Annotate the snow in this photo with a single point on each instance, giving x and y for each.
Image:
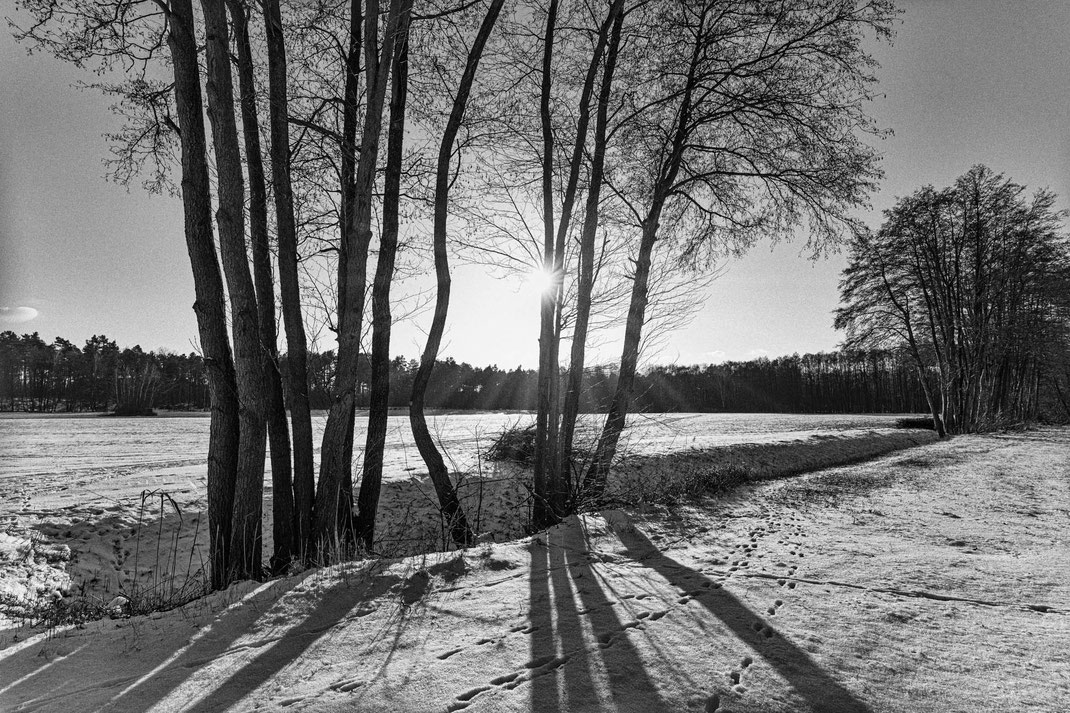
(127, 495)
(928, 579)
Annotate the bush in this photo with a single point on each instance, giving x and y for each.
(516, 443)
(925, 423)
(128, 409)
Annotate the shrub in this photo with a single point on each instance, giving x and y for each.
(516, 443)
(925, 423)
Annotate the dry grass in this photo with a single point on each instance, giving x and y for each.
(702, 472)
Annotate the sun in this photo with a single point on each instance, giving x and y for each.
(541, 280)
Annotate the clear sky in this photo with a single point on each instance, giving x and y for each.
(966, 82)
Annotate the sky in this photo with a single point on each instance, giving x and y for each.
(965, 82)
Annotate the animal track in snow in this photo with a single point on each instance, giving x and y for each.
(507, 678)
(345, 686)
(524, 629)
(760, 627)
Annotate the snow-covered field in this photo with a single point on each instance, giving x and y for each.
(97, 505)
(932, 580)
(156, 452)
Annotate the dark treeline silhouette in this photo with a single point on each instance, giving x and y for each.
(836, 382)
(62, 377)
(99, 376)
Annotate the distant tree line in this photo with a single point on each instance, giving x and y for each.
(99, 376)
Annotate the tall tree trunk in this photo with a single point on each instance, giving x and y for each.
(436, 467)
(210, 305)
(245, 536)
(349, 151)
(544, 513)
(597, 474)
(282, 495)
(346, 213)
(332, 507)
(585, 288)
(289, 286)
(379, 402)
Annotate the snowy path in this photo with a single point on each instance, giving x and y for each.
(933, 579)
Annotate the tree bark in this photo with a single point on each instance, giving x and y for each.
(448, 503)
(379, 400)
(282, 495)
(245, 536)
(210, 305)
(349, 151)
(289, 287)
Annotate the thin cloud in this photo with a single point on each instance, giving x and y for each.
(755, 353)
(17, 315)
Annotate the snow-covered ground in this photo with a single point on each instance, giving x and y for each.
(932, 579)
(96, 506)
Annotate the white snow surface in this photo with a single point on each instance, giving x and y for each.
(127, 496)
(932, 579)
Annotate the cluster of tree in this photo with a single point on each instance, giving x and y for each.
(60, 377)
(625, 141)
(972, 283)
(836, 382)
(37, 376)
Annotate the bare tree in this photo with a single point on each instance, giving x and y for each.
(451, 509)
(293, 319)
(969, 278)
(127, 35)
(609, 35)
(371, 480)
(245, 537)
(283, 546)
(750, 128)
(334, 489)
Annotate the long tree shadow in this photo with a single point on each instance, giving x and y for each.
(154, 672)
(160, 678)
(573, 671)
(810, 681)
(333, 606)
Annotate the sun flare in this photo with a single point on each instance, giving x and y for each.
(541, 280)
